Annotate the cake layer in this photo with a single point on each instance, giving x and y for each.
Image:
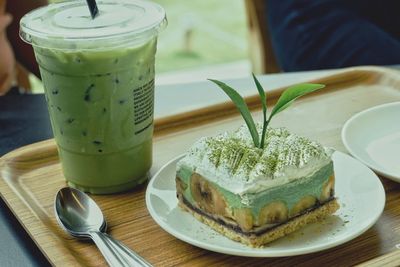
(258, 239)
(280, 202)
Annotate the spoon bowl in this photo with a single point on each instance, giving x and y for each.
(78, 213)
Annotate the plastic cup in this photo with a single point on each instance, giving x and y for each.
(98, 76)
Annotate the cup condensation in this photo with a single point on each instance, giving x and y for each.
(98, 77)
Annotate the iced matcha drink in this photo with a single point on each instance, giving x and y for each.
(100, 91)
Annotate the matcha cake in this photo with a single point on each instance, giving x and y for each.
(255, 195)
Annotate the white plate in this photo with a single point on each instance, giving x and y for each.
(356, 185)
(373, 137)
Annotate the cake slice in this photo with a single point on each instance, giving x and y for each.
(255, 195)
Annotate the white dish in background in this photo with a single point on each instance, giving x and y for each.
(373, 137)
(355, 185)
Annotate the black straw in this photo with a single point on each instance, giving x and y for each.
(93, 8)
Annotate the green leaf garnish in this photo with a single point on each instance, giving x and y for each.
(242, 107)
(291, 94)
(284, 101)
(263, 99)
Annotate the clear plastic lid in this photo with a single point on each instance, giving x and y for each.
(69, 25)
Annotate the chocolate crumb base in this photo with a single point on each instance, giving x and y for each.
(264, 236)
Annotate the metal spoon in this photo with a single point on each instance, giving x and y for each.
(80, 216)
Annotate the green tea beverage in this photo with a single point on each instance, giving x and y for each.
(98, 76)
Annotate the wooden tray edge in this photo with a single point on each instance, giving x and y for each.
(23, 210)
(332, 81)
(388, 260)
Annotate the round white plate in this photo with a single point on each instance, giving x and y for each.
(373, 137)
(356, 185)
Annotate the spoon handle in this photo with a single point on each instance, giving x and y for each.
(116, 253)
(129, 255)
(112, 256)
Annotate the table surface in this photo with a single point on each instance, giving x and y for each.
(24, 120)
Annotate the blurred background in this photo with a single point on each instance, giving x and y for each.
(202, 39)
(225, 39)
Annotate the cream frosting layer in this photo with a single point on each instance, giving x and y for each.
(233, 162)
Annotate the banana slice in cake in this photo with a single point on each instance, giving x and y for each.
(275, 212)
(304, 204)
(244, 218)
(206, 196)
(328, 190)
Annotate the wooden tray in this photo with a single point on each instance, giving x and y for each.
(31, 176)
